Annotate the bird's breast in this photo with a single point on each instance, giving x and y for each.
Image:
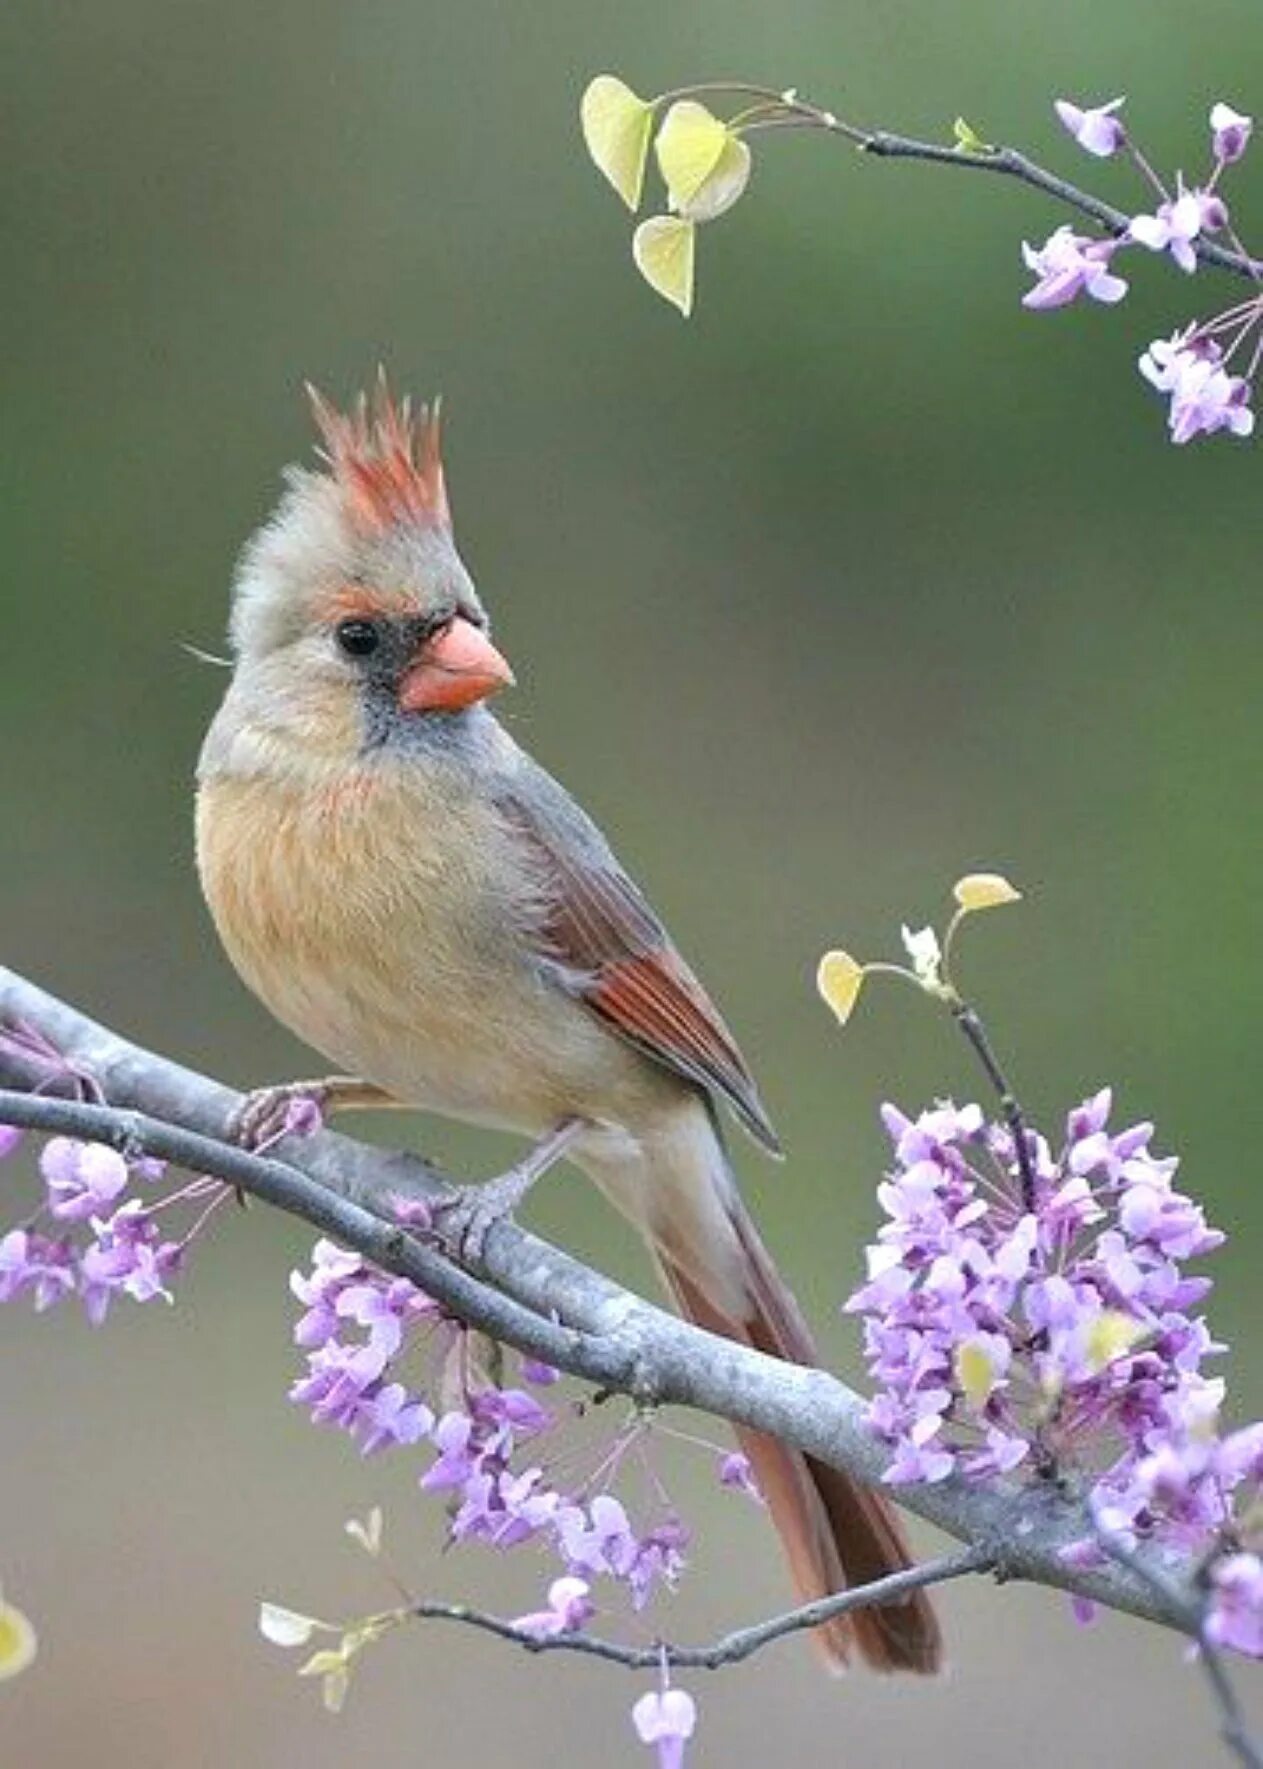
(390, 923)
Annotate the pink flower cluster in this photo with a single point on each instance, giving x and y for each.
(89, 1238)
(1191, 368)
(357, 1327)
(1064, 1338)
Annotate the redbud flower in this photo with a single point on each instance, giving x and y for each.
(569, 1607)
(736, 1473)
(1069, 264)
(83, 1179)
(1097, 130)
(31, 1262)
(1231, 132)
(666, 1719)
(1177, 224)
(1236, 1613)
(1204, 396)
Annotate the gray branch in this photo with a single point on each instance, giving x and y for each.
(534, 1296)
(729, 1649)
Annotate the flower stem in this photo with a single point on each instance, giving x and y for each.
(971, 1025)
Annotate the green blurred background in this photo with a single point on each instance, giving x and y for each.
(863, 579)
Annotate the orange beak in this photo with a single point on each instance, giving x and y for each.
(456, 668)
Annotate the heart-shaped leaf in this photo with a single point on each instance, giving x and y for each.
(663, 250)
(616, 125)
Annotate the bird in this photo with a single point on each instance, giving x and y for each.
(417, 899)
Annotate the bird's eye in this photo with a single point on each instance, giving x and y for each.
(358, 638)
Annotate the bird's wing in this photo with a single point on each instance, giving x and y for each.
(614, 953)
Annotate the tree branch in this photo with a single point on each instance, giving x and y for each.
(729, 1649)
(791, 111)
(535, 1297)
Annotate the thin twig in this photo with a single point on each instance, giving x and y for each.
(1233, 1726)
(971, 1025)
(731, 1648)
(1001, 162)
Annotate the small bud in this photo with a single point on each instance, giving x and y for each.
(968, 140)
(369, 1533)
(925, 954)
(1231, 132)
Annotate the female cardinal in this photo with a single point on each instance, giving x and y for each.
(415, 897)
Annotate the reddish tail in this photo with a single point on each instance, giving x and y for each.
(835, 1533)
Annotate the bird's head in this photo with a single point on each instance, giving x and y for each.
(351, 605)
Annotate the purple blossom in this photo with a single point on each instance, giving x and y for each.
(541, 1374)
(665, 1718)
(978, 1315)
(127, 1256)
(569, 1608)
(1178, 223)
(1230, 132)
(1235, 1617)
(391, 1416)
(736, 1474)
(1003, 1340)
(10, 1138)
(1069, 264)
(83, 1179)
(600, 1541)
(34, 1264)
(1204, 397)
(1097, 129)
(457, 1459)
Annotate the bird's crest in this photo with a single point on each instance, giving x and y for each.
(384, 458)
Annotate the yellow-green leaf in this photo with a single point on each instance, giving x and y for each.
(722, 185)
(333, 1687)
(324, 1662)
(18, 1641)
(689, 146)
(984, 890)
(286, 1627)
(663, 250)
(616, 125)
(975, 1372)
(968, 140)
(839, 978)
(1111, 1335)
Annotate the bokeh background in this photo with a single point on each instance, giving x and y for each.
(862, 579)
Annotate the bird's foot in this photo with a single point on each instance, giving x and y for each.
(299, 1108)
(266, 1114)
(466, 1216)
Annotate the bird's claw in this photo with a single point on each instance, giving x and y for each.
(468, 1214)
(266, 1114)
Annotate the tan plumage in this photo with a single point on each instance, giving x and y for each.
(415, 898)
